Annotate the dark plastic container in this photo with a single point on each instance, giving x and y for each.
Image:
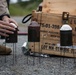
(13, 38)
(66, 36)
(34, 32)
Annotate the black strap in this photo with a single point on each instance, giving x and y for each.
(25, 20)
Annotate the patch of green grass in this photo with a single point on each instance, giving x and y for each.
(23, 8)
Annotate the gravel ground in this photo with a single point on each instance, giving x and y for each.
(19, 64)
(28, 65)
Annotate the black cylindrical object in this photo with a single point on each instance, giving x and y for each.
(33, 33)
(12, 38)
(66, 35)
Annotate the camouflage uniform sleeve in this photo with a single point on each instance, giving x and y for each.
(3, 8)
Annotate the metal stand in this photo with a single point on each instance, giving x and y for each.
(64, 57)
(33, 54)
(14, 53)
(74, 56)
(40, 51)
(60, 61)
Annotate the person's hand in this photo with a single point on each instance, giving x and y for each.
(6, 28)
(9, 20)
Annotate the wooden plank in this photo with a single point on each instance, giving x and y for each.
(50, 36)
(54, 21)
(47, 48)
(59, 6)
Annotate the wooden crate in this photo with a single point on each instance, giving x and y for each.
(51, 23)
(50, 20)
(59, 6)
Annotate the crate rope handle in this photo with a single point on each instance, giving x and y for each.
(25, 20)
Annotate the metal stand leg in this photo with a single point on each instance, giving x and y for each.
(27, 58)
(5, 55)
(60, 61)
(34, 55)
(64, 56)
(14, 53)
(39, 53)
(74, 55)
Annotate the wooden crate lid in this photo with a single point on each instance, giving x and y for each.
(59, 6)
